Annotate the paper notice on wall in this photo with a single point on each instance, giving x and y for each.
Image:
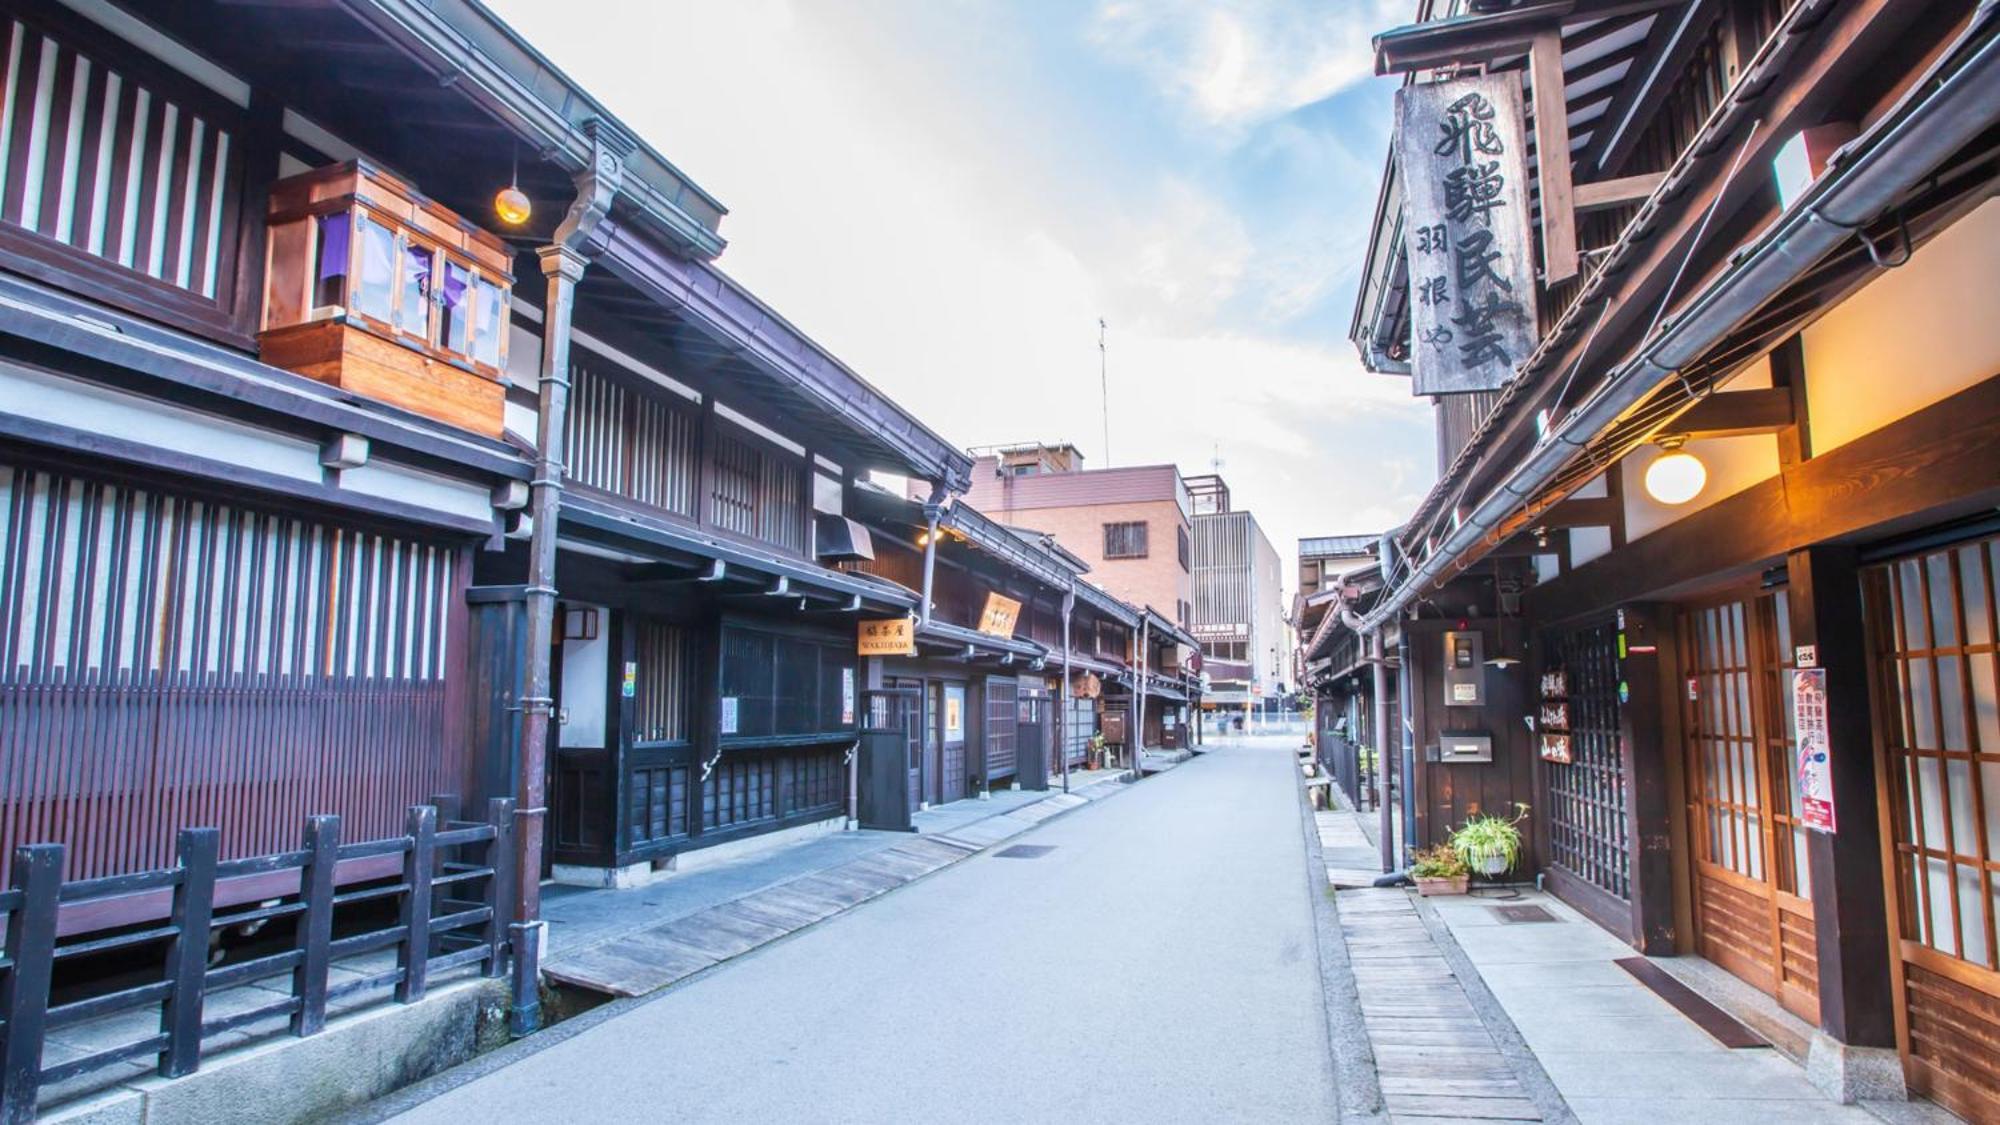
(729, 714)
(846, 695)
(1815, 763)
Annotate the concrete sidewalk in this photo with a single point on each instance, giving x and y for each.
(1539, 1020)
(628, 942)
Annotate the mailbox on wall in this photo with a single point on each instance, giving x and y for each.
(1468, 747)
(1464, 669)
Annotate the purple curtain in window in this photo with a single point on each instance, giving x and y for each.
(454, 285)
(333, 236)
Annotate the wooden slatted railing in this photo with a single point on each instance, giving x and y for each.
(447, 879)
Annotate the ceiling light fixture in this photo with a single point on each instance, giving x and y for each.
(1675, 476)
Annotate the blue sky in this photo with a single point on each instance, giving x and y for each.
(949, 193)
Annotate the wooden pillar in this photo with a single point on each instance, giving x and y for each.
(1850, 907)
(1647, 720)
(1552, 158)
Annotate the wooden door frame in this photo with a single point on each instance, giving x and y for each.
(1760, 649)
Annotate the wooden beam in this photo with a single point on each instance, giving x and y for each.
(1482, 38)
(1737, 413)
(1788, 371)
(1545, 67)
(1605, 194)
(1935, 465)
(1674, 37)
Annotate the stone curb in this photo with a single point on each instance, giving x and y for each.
(1349, 1050)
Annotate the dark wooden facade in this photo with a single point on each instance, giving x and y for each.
(233, 596)
(1848, 548)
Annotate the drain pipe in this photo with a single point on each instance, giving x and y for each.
(563, 262)
(933, 509)
(1138, 742)
(1062, 723)
(1940, 115)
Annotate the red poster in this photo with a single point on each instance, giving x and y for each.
(1815, 766)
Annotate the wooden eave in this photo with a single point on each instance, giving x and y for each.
(1810, 67)
(1603, 46)
(137, 355)
(789, 370)
(468, 47)
(746, 569)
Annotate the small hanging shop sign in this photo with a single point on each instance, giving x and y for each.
(1552, 724)
(999, 615)
(1461, 152)
(1809, 719)
(893, 636)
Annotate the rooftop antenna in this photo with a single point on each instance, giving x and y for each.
(1104, 387)
(1216, 462)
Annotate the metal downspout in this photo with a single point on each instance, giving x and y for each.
(1385, 810)
(1869, 173)
(1139, 699)
(1062, 725)
(563, 262)
(933, 510)
(1381, 670)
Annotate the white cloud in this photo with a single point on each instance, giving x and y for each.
(1239, 63)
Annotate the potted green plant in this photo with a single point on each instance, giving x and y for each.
(1490, 845)
(1439, 871)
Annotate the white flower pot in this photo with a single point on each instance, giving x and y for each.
(1490, 865)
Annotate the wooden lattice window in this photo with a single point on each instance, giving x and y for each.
(1125, 540)
(1932, 628)
(170, 662)
(126, 162)
(759, 493)
(1940, 726)
(662, 693)
(1587, 795)
(631, 442)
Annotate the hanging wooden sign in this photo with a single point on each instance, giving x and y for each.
(999, 615)
(1552, 724)
(1460, 151)
(894, 636)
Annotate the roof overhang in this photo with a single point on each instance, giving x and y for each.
(463, 41)
(742, 568)
(751, 331)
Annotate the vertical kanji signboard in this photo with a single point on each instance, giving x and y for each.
(1460, 149)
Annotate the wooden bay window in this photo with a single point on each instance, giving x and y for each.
(375, 289)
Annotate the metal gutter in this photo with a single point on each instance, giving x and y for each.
(1783, 44)
(1939, 115)
(590, 512)
(520, 87)
(1027, 557)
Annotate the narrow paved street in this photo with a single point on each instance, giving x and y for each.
(1156, 965)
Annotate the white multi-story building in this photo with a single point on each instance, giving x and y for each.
(1238, 610)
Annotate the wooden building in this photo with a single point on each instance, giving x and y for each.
(982, 690)
(1724, 535)
(377, 426)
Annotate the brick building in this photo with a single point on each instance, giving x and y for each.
(1131, 525)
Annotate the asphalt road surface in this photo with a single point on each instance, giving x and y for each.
(1158, 965)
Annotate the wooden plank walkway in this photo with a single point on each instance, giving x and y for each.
(642, 961)
(1435, 1058)
(1351, 861)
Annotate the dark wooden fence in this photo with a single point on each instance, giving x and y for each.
(447, 882)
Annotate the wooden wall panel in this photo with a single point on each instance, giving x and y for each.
(168, 662)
